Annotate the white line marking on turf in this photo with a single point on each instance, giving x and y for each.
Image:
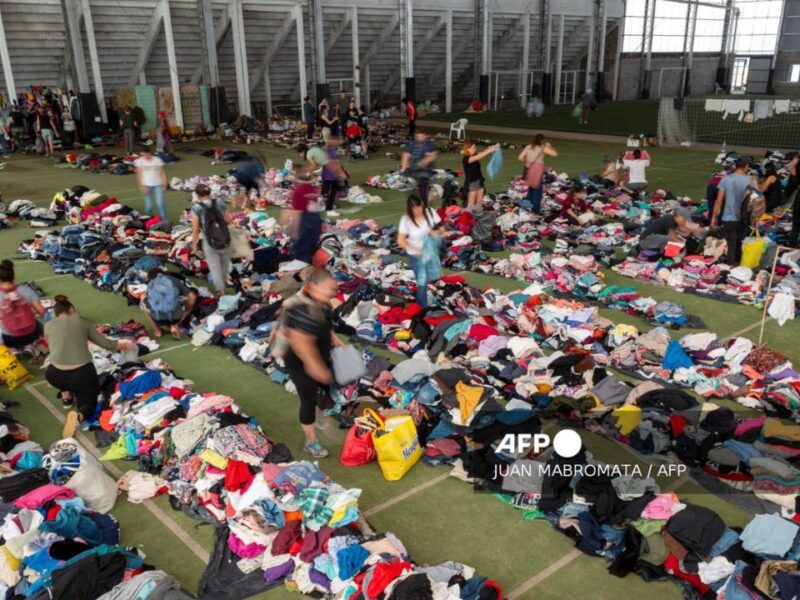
(151, 506)
(163, 350)
(407, 494)
(544, 574)
(40, 279)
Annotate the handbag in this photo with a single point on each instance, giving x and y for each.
(533, 176)
(397, 445)
(348, 365)
(358, 448)
(240, 244)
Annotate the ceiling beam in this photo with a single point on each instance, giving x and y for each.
(149, 43)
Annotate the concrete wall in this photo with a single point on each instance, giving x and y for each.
(703, 76)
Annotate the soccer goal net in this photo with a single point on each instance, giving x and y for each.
(758, 122)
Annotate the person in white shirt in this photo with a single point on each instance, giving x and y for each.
(419, 223)
(637, 180)
(152, 181)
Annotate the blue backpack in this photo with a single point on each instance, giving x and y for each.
(163, 299)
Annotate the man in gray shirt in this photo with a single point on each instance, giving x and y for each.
(732, 192)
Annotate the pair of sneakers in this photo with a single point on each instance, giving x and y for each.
(315, 449)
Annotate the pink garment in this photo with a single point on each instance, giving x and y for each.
(270, 471)
(660, 507)
(208, 403)
(749, 424)
(42, 495)
(239, 548)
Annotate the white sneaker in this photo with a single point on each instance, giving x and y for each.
(332, 213)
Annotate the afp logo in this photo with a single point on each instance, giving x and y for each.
(567, 443)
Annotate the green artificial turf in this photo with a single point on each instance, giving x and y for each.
(446, 519)
(615, 118)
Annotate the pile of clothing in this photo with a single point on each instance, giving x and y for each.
(278, 520)
(59, 541)
(27, 210)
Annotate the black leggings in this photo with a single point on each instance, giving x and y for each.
(329, 189)
(83, 383)
(309, 390)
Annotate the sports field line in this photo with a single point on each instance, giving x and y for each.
(39, 280)
(196, 549)
(569, 557)
(405, 495)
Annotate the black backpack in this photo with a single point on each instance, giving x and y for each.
(215, 228)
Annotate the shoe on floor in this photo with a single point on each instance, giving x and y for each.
(315, 449)
(332, 213)
(71, 425)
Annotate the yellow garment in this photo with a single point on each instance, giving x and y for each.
(9, 567)
(468, 398)
(625, 330)
(214, 459)
(774, 428)
(628, 418)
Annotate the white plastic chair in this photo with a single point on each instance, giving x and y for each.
(459, 128)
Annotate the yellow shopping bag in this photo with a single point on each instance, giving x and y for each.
(397, 445)
(12, 372)
(752, 250)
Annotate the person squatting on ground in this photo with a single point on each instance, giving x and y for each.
(168, 302)
(307, 324)
(19, 305)
(208, 217)
(668, 228)
(418, 235)
(473, 176)
(71, 370)
(152, 180)
(532, 156)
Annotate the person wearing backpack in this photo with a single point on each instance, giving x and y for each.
(169, 302)
(71, 369)
(208, 217)
(19, 305)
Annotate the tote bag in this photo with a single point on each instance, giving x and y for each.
(533, 176)
(398, 447)
(348, 365)
(240, 244)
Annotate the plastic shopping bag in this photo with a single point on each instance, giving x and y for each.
(397, 445)
(359, 448)
(752, 249)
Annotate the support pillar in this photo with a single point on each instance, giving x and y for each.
(559, 58)
(448, 63)
(620, 42)
(774, 62)
(174, 77)
(600, 82)
(486, 51)
(297, 10)
(356, 55)
(8, 74)
(319, 42)
(691, 29)
(547, 70)
(407, 85)
(367, 88)
(240, 57)
(76, 45)
(268, 91)
(590, 50)
(526, 51)
(209, 42)
(647, 42)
